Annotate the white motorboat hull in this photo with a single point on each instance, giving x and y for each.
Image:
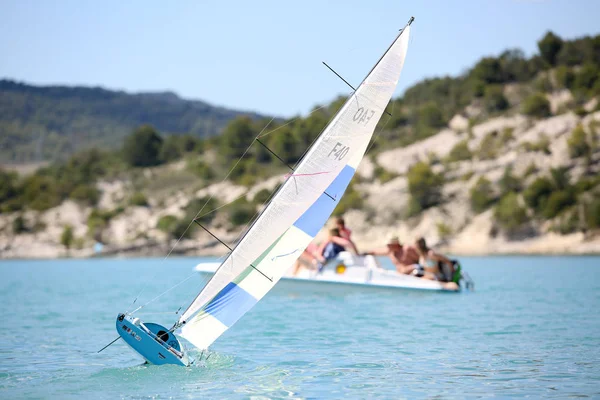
(349, 269)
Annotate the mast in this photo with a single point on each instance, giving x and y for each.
(268, 207)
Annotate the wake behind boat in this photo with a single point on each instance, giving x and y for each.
(364, 271)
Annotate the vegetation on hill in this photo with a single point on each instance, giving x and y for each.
(424, 109)
(52, 122)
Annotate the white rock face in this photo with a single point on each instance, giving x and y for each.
(225, 192)
(130, 225)
(112, 193)
(68, 213)
(366, 168)
(269, 184)
(558, 99)
(459, 124)
(399, 160)
(591, 105)
(517, 122)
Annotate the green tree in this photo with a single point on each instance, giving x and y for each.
(537, 193)
(494, 99)
(570, 55)
(202, 170)
(182, 229)
(430, 115)
(489, 146)
(398, 120)
(477, 87)
(171, 149)
(508, 182)
(488, 70)
(564, 77)
(507, 135)
(424, 186)
(142, 147)
(560, 178)
(578, 144)
(537, 105)
(586, 78)
(168, 224)
(285, 145)
(515, 66)
(40, 192)
(138, 199)
(592, 214)
(383, 175)
(246, 172)
(236, 137)
(482, 195)
(262, 196)
(240, 212)
(18, 225)
(98, 220)
(87, 194)
(549, 47)
(202, 209)
(509, 213)
(8, 185)
(557, 202)
(67, 236)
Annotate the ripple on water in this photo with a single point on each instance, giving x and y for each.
(511, 338)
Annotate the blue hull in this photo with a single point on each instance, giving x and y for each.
(152, 341)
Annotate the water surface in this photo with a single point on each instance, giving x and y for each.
(532, 328)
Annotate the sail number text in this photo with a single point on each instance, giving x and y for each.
(363, 116)
(339, 151)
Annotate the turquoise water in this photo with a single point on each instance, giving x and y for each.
(532, 328)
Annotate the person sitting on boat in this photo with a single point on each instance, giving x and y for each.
(340, 224)
(334, 245)
(405, 258)
(430, 261)
(328, 250)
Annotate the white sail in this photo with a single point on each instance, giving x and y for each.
(299, 209)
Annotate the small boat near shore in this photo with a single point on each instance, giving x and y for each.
(366, 271)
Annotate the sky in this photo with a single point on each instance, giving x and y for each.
(265, 56)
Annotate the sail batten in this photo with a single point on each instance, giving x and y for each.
(298, 210)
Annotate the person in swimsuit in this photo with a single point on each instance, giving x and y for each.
(405, 258)
(430, 261)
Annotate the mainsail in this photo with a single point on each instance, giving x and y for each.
(299, 209)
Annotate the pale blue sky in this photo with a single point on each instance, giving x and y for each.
(264, 55)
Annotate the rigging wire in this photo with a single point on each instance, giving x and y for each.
(200, 211)
(242, 232)
(260, 135)
(376, 134)
(257, 214)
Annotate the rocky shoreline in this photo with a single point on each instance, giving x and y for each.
(451, 226)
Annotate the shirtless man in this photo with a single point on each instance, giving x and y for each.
(405, 258)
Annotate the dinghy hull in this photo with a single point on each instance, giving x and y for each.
(351, 270)
(152, 341)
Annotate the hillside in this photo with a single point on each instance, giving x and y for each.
(502, 159)
(40, 123)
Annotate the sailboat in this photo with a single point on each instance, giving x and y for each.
(287, 224)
